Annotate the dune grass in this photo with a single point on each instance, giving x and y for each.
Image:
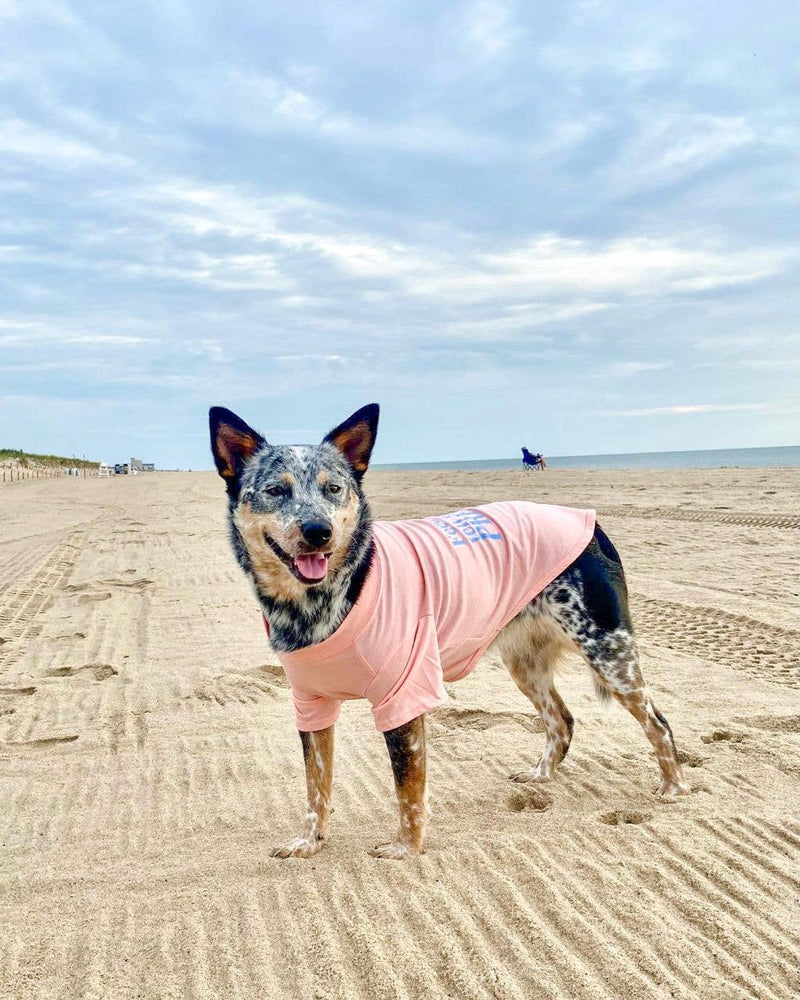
(25, 458)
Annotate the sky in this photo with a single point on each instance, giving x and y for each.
(567, 225)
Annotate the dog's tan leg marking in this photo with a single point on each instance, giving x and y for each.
(318, 754)
(406, 746)
(657, 729)
(533, 675)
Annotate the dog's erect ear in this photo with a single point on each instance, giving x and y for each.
(355, 437)
(232, 443)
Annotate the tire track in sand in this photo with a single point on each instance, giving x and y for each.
(740, 642)
(24, 603)
(742, 518)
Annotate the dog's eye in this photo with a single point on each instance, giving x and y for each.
(275, 491)
(335, 488)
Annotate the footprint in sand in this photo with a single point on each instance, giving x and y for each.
(141, 584)
(477, 719)
(536, 799)
(773, 723)
(94, 598)
(276, 673)
(101, 671)
(48, 741)
(624, 817)
(233, 688)
(722, 736)
(94, 591)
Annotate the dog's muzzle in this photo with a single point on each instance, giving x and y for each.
(308, 567)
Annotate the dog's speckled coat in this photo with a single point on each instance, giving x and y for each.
(277, 494)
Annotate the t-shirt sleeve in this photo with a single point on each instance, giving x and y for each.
(418, 683)
(314, 711)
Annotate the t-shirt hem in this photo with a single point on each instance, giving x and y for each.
(317, 724)
(408, 712)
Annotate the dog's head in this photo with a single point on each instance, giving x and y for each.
(296, 509)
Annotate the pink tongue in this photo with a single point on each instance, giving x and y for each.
(313, 565)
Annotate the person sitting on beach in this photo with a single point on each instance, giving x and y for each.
(530, 461)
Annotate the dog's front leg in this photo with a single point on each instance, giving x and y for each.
(318, 755)
(406, 746)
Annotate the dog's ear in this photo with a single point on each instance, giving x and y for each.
(232, 443)
(355, 437)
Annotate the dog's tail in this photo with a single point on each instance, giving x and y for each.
(603, 694)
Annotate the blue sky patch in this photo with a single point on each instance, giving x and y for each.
(570, 226)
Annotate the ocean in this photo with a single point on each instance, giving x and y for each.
(716, 458)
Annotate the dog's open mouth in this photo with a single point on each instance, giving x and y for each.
(309, 567)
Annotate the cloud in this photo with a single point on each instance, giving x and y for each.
(692, 408)
(53, 334)
(637, 267)
(675, 146)
(263, 105)
(548, 265)
(23, 139)
(491, 27)
(490, 217)
(629, 369)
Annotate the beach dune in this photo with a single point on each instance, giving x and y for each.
(148, 762)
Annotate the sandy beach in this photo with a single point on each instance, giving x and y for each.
(148, 761)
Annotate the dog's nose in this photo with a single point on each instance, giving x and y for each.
(316, 533)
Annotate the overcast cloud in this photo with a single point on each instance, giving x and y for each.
(567, 225)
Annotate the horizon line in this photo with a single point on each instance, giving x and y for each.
(601, 454)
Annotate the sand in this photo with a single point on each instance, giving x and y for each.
(148, 762)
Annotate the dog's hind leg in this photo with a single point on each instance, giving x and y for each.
(536, 682)
(590, 603)
(614, 660)
(531, 647)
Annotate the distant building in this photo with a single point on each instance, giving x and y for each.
(148, 466)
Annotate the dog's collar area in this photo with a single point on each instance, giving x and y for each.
(289, 562)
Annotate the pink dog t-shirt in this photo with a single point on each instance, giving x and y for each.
(438, 592)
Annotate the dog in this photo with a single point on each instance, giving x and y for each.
(331, 587)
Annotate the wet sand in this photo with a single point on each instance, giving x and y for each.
(148, 762)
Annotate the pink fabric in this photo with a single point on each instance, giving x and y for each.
(438, 592)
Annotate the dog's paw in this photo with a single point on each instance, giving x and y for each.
(670, 790)
(300, 847)
(395, 851)
(534, 775)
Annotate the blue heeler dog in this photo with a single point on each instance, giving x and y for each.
(301, 531)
